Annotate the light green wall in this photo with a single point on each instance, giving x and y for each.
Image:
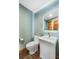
(39, 17)
(38, 23)
(25, 24)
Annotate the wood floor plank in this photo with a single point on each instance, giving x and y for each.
(23, 54)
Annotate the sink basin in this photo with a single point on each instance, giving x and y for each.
(48, 39)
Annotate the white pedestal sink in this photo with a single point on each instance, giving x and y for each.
(47, 47)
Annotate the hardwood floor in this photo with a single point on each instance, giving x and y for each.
(24, 54)
(35, 56)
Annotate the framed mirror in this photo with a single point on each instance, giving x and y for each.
(50, 24)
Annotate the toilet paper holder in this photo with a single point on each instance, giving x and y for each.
(21, 40)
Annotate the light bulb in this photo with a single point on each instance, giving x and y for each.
(50, 15)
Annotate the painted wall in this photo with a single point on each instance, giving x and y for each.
(25, 24)
(39, 17)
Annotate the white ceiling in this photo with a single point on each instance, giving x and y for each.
(36, 5)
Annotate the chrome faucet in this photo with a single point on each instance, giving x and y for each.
(49, 34)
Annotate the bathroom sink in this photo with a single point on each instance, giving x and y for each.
(47, 47)
(48, 39)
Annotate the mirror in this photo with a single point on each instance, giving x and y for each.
(51, 24)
